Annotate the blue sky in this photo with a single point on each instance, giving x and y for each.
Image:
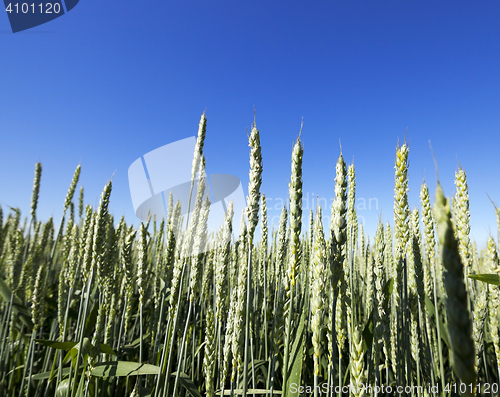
(111, 81)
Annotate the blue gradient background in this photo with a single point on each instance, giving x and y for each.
(111, 81)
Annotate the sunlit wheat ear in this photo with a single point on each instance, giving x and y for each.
(252, 210)
(480, 313)
(430, 269)
(494, 298)
(239, 307)
(66, 240)
(210, 350)
(9, 231)
(81, 204)
(26, 278)
(264, 234)
(401, 236)
(357, 363)
(338, 224)
(222, 262)
(282, 247)
(319, 278)
(497, 212)
(401, 217)
(252, 213)
(475, 265)
(417, 257)
(98, 264)
(173, 260)
(368, 276)
(37, 303)
(462, 215)
(459, 321)
(187, 249)
(142, 261)
(36, 190)
(338, 247)
(207, 261)
(388, 251)
(127, 266)
(199, 247)
(229, 340)
(200, 142)
(416, 290)
(351, 209)
(429, 240)
(294, 254)
(104, 231)
(381, 329)
(361, 244)
(110, 287)
(87, 244)
(295, 191)
(14, 258)
(36, 258)
(99, 240)
(72, 188)
(67, 277)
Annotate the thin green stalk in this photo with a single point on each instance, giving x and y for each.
(181, 353)
(174, 330)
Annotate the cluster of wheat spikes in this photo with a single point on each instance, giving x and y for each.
(90, 309)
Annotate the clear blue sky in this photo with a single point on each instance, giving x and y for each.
(113, 80)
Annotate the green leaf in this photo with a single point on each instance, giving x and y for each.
(56, 344)
(368, 331)
(124, 368)
(79, 391)
(86, 346)
(91, 319)
(146, 392)
(444, 332)
(260, 363)
(187, 383)
(107, 349)
(6, 292)
(486, 278)
(162, 285)
(200, 347)
(15, 369)
(53, 370)
(297, 353)
(46, 375)
(67, 357)
(136, 343)
(62, 388)
(17, 305)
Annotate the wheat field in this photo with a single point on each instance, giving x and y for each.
(90, 309)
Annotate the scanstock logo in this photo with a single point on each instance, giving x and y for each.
(28, 14)
(166, 170)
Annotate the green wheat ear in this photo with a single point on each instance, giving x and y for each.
(36, 190)
(357, 363)
(318, 296)
(494, 298)
(457, 310)
(209, 309)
